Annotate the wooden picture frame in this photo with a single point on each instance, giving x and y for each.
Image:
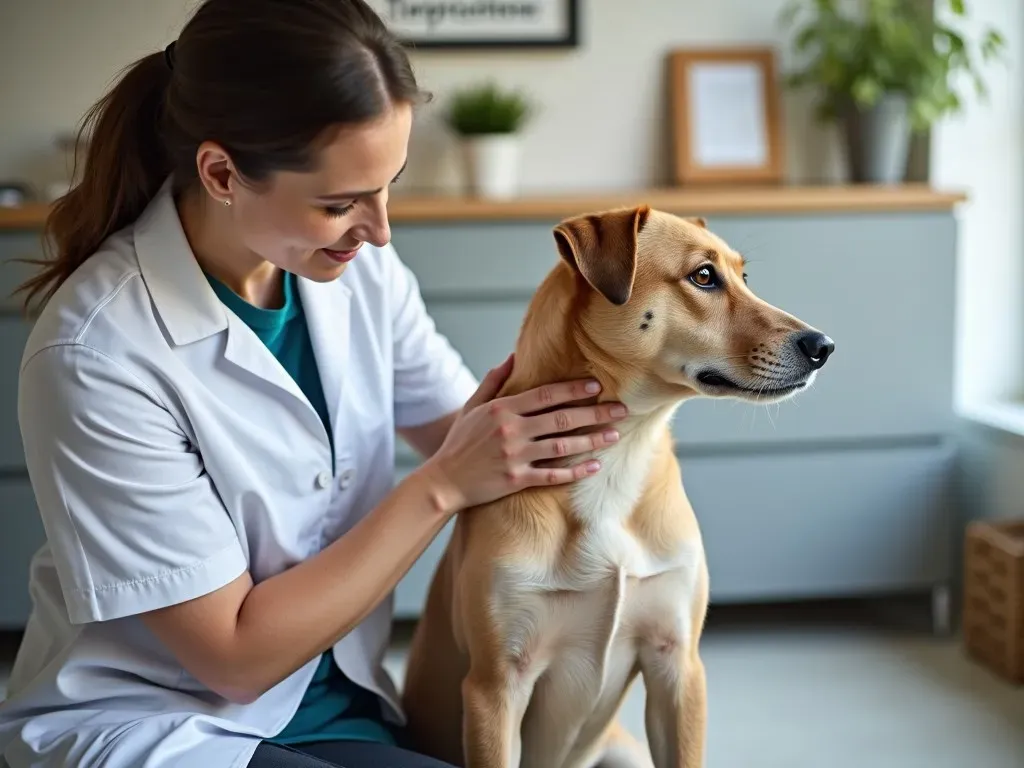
(473, 25)
(725, 116)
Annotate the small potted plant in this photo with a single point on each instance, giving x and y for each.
(882, 73)
(488, 121)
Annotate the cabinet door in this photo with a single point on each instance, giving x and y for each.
(796, 525)
(787, 525)
(15, 247)
(13, 336)
(880, 285)
(21, 535)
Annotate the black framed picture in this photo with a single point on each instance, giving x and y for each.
(456, 24)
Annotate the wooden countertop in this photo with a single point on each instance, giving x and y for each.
(691, 201)
(28, 216)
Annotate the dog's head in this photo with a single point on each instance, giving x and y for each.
(665, 299)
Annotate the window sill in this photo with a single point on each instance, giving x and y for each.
(1005, 416)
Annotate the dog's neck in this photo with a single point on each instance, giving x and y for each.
(552, 348)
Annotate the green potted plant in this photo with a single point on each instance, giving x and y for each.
(883, 72)
(489, 121)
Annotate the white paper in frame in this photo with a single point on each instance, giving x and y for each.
(725, 116)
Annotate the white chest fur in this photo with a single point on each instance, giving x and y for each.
(612, 493)
(604, 566)
(604, 503)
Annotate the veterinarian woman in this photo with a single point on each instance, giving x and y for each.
(209, 401)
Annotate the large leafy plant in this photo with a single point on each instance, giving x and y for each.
(487, 109)
(884, 46)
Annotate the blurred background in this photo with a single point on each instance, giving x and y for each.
(865, 540)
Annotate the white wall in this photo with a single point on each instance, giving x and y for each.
(603, 107)
(57, 57)
(982, 152)
(604, 119)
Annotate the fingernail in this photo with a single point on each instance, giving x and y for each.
(593, 467)
(611, 436)
(593, 387)
(618, 411)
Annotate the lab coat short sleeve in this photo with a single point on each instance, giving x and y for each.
(131, 517)
(431, 379)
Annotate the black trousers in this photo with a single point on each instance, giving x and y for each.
(339, 754)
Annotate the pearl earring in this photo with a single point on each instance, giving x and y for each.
(227, 202)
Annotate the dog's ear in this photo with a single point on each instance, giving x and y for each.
(602, 248)
(700, 221)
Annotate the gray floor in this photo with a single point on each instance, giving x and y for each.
(858, 688)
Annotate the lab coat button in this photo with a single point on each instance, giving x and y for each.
(346, 479)
(323, 479)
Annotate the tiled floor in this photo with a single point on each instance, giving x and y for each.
(813, 688)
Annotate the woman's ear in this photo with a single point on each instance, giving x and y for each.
(602, 248)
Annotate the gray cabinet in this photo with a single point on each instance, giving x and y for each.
(21, 531)
(21, 534)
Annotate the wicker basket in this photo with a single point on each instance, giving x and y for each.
(993, 612)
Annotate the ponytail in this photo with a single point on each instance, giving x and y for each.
(125, 164)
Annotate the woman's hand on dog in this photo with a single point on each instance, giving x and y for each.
(493, 448)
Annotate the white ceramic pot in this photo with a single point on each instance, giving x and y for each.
(492, 164)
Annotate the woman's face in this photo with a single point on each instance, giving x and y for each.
(313, 224)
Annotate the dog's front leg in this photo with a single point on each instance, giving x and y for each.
(673, 673)
(494, 699)
(676, 713)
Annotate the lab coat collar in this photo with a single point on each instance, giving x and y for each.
(185, 301)
(191, 310)
(187, 305)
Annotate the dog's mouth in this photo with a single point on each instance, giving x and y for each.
(718, 383)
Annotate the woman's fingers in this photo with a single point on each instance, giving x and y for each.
(564, 447)
(540, 476)
(551, 395)
(569, 419)
(531, 429)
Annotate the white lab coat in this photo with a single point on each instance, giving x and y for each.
(169, 451)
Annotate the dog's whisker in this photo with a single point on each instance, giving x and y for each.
(772, 379)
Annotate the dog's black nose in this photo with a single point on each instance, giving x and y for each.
(816, 347)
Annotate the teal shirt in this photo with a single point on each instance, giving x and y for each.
(333, 707)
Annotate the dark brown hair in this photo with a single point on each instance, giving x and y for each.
(263, 78)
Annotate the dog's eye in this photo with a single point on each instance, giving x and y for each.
(704, 278)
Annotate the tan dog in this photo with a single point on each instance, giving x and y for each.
(548, 603)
